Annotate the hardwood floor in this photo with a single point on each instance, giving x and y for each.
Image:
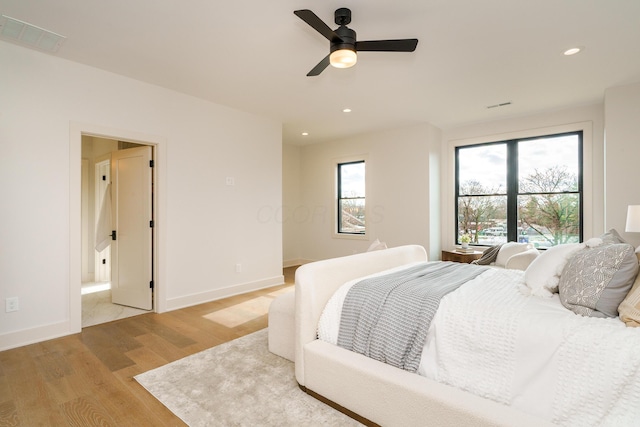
(86, 379)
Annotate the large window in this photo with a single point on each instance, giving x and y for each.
(351, 201)
(526, 190)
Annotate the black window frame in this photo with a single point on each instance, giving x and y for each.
(340, 199)
(513, 184)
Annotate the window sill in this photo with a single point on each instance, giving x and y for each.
(350, 236)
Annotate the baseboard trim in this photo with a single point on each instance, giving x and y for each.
(38, 334)
(201, 298)
(295, 262)
(24, 337)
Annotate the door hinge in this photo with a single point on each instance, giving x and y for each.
(150, 163)
(113, 235)
(104, 177)
(151, 284)
(151, 223)
(104, 261)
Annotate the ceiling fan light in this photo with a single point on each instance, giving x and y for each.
(343, 58)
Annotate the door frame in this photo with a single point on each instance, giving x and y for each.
(158, 145)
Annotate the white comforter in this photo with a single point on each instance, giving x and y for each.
(529, 352)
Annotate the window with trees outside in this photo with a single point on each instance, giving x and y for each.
(351, 197)
(524, 190)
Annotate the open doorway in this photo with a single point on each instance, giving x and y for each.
(100, 258)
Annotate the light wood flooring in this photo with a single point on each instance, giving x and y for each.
(86, 379)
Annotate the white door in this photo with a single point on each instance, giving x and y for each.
(131, 251)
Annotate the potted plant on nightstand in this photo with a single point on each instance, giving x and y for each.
(465, 239)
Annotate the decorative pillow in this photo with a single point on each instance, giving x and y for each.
(508, 250)
(629, 309)
(596, 280)
(522, 260)
(377, 245)
(612, 237)
(543, 274)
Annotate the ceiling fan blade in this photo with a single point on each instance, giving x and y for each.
(317, 24)
(403, 45)
(320, 67)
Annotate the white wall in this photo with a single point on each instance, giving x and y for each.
(292, 213)
(410, 160)
(622, 154)
(205, 227)
(589, 119)
(402, 184)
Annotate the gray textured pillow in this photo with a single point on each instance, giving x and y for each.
(611, 237)
(596, 280)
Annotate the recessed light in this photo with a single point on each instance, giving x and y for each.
(572, 51)
(305, 133)
(346, 110)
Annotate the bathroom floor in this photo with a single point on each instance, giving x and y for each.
(97, 307)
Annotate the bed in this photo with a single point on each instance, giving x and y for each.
(474, 370)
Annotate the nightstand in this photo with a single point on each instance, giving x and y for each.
(456, 256)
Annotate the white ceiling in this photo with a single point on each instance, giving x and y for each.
(254, 56)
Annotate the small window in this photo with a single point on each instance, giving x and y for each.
(351, 198)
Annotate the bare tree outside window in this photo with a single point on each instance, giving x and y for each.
(476, 212)
(552, 213)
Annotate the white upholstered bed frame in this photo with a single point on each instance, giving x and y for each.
(379, 393)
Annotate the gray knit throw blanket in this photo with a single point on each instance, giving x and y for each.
(488, 256)
(387, 317)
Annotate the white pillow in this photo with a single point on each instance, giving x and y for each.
(522, 260)
(543, 274)
(508, 250)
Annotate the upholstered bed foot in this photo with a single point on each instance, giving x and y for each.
(334, 405)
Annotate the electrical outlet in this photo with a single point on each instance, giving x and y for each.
(12, 304)
(238, 268)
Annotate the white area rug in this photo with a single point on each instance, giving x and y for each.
(239, 383)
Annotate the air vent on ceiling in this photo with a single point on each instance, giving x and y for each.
(504, 104)
(17, 31)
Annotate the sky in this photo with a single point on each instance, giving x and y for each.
(353, 183)
(487, 163)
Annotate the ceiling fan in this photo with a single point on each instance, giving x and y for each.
(343, 44)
